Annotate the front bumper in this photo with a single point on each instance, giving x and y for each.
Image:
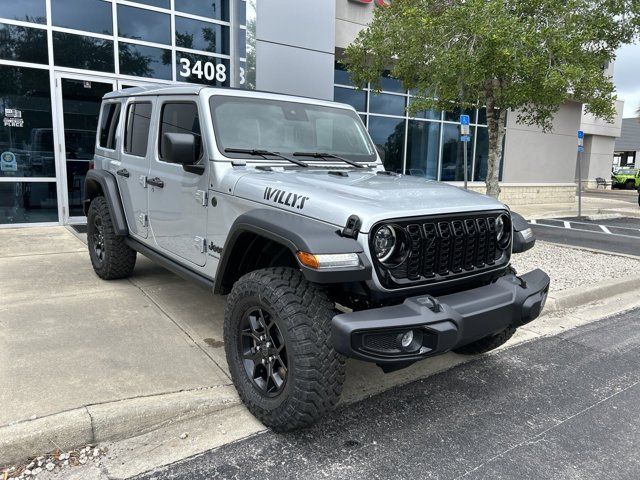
(440, 324)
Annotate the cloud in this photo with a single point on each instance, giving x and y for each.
(626, 76)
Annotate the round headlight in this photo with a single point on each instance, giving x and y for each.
(390, 245)
(503, 231)
(384, 242)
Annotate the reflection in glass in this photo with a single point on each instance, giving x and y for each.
(387, 104)
(80, 51)
(423, 146)
(141, 24)
(452, 154)
(202, 69)
(89, 15)
(23, 44)
(33, 11)
(388, 84)
(428, 114)
(482, 156)
(198, 35)
(80, 106)
(341, 76)
(356, 98)
(143, 61)
(454, 115)
(216, 9)
(28, 202)
(26, 148)
(154, 3)
(388, 136)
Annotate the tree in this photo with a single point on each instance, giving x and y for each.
(530, 56)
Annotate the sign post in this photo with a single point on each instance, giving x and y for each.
(580, 150)
(465, 138)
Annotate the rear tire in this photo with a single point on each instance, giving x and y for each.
(487, 344)
(110, 256)
(277, 334)
(630, 185)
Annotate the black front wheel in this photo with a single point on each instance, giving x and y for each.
(110, 256)
(277, 332)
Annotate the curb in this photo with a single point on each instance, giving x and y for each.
(123, 419)
(575, 297)
(108, 421)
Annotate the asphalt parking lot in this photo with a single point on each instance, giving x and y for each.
(616, 235)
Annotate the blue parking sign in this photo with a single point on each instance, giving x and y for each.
(465, 120)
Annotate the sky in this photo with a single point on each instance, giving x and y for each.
(626, 76)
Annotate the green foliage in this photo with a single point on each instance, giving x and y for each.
(528, 55)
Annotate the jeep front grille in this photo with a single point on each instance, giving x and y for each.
(445, 247)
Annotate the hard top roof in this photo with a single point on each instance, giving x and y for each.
(191, 89)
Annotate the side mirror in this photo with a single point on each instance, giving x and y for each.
(180, 148)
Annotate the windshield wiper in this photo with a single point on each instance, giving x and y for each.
(327, 155)
(264, 154)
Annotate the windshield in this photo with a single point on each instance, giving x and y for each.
(289, 127)
(626, 171)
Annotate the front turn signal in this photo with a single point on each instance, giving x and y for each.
(328, 260)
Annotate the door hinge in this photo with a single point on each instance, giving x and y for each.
(143, 218)
(143, 180)
(202, 197)
(200, 243)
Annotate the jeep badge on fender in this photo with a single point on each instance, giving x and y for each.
(283, 205)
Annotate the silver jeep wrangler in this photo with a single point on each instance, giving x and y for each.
(282, 204)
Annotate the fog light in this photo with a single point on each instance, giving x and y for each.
(407, 339)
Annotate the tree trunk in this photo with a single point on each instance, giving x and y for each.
(496, 131)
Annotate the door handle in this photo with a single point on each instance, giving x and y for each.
(123, 173)
(156, 182)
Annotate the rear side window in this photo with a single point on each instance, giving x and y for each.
(109, 125)
(136, 135)
(181, 118)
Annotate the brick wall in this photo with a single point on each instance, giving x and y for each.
(531, 193)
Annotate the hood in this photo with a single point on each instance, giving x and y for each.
(333, 198)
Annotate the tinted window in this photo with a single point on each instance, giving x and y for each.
(79, 51)
(428, 114)
(454, 115)
(388, 135)
(154, 3)
(197, 35)
(89, 15)
(144, 24)
(26, 135)
(356, 98)
(423, 146)
(389, 84)
(181, 118)
(23, 44)
(26, 10)
(387, 104)
(136, 137)
(109, 124)
(143, 61)
(216, 9)
(28, 202)
(452, 154)
(341, 76)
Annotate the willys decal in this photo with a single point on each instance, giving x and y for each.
(285, 198)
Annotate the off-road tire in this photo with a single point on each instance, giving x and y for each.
(487, 344)
(118, 259)
(315, 371)
(630, 185)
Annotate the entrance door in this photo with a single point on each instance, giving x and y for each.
(79, 99)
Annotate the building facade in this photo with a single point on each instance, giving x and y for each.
(59, 57)
(537, 166)
(627, 146)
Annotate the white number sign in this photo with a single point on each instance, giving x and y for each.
(207, 70)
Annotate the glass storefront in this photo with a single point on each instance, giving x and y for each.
(54, 72)
(425, 145)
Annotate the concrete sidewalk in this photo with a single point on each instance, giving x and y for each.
(590, 206)
(84, 361)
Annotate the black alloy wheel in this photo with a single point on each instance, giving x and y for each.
(263, 352)
(98, 243)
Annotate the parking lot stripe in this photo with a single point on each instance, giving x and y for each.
(539, 225)
(605, 229)
(567, 225)
(533, 222)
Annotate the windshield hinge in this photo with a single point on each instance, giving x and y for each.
(352, 227)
